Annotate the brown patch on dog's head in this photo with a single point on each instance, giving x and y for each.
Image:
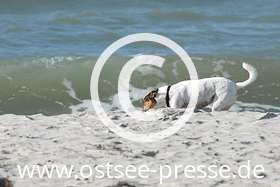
(149, 100)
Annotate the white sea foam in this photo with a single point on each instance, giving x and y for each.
(70, 90)
(150, 70)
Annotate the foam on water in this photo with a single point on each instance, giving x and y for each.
(70, 89)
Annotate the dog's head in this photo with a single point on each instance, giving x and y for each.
(149, 100)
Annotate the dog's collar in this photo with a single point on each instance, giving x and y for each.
(167, 98)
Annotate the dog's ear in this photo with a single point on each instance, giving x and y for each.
(151, 95)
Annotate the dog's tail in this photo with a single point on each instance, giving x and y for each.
(252, 75)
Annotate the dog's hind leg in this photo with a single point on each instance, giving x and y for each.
(225, 97)
(223, 103)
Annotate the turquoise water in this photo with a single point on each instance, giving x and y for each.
(48, 48)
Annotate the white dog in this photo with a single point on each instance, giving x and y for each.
(220, 91)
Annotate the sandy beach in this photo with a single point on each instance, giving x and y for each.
(230, 138)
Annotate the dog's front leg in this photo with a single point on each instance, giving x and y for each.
(176, 102)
